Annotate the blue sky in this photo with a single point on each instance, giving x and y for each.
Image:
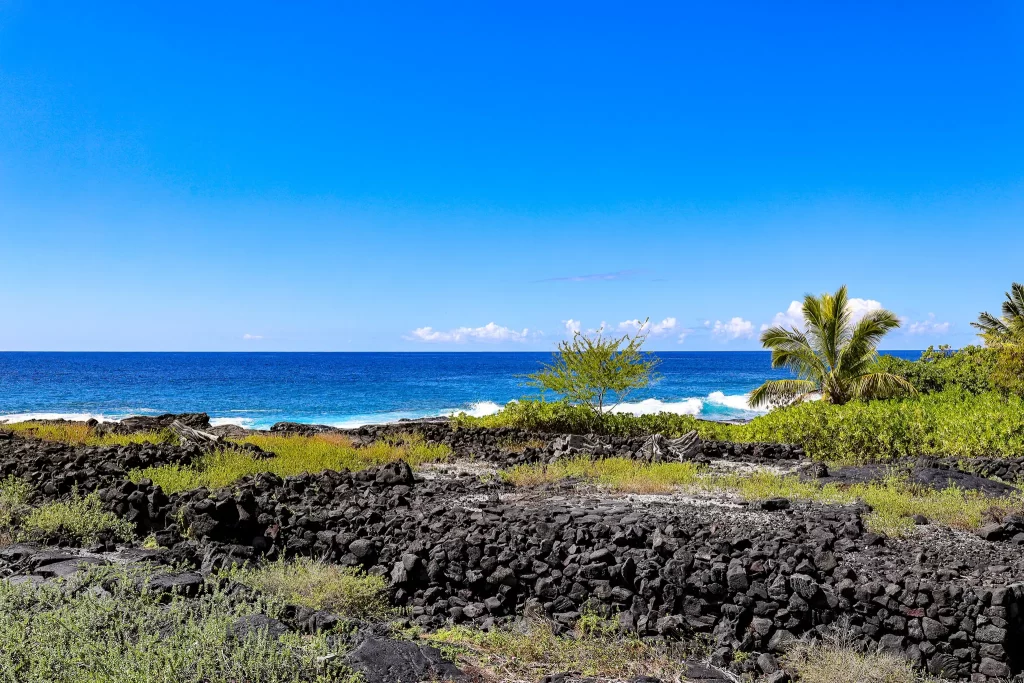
(430, 176)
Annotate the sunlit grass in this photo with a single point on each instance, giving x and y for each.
(293, 455)
(320, 586)
(79, 433)
(594, 648)
(893, 499)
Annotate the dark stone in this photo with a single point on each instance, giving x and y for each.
(255, 623)
(395, 474)
(395, 661)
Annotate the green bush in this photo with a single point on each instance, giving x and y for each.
(969, 369)
(949, 423)
(105, 628)
(80, 517)
(1008, 375)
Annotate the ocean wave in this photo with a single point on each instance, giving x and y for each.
(76, 417)
(246, 422)
(736, 402)
(479, 409)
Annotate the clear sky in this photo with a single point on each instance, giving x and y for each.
(444, 176)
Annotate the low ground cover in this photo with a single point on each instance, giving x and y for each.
(82, 434)
(950, 423)
(320, 586)
(837, 659)
(530, 650)
(894, 500)
(79, 517)
(116, 632)
(292, 455)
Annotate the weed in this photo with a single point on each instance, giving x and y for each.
(293, 454)
(82, 434)
(79, 517)
(838, 659)
(320, 585)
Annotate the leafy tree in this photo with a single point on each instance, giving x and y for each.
(597, 371)
(969, 369)
(835, 357)
(1008, 328)
(1008, 375)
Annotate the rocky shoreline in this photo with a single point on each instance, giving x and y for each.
(458, 548)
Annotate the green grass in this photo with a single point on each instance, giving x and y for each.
(53, 634)
(893, 499)
(321, 586)
(80, 517)
(949, 423)
(82, 434)
(837, 659)
(14, 497)
(293, 455)
(530, 650)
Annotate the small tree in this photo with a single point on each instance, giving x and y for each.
(598, 372)
(1008, 328)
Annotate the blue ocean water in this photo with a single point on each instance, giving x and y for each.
(344, 389)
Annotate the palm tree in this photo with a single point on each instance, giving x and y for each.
(835, 357)
(1008, 329)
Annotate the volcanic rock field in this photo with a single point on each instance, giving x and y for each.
(457, 544)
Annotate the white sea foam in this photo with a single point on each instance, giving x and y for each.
(77, 417)
(480, 409)
(246, 422)
(740, 402)
(652, 406)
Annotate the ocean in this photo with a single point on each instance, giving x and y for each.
(344, 389)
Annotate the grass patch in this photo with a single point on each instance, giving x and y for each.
(894, 500)
(531, 649)
(79, 517)
(14, 497)
(320, 585)
(838, 659)
(81, 434)
(948, 423)
(51, 634)
(293, 454)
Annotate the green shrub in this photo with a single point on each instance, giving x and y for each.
(80, 517)
(949, 423)
(1008, 375)
(117, 633)
(969, 369)
(293, 455)
(82, 434)
(320, 585)
(14, 497)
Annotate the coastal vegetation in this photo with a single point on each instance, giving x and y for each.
(84, 434)
(833, 357)
(949, 424)
(108, 627)
(320, 585)
(292, 454)
(78, 517)
(893, 500)
(596, 371)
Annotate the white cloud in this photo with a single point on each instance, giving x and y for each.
(736, 328)
(861, 307)
(791, 317)
(571, 326)
(794, 315)
(683, 334)
(928, 326)
(656, 330)
(490, 332)
(252, 337)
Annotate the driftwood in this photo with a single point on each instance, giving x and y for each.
(659, 449)
(189, 435)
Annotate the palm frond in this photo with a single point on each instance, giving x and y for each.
(778, 392)
(881, 385)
